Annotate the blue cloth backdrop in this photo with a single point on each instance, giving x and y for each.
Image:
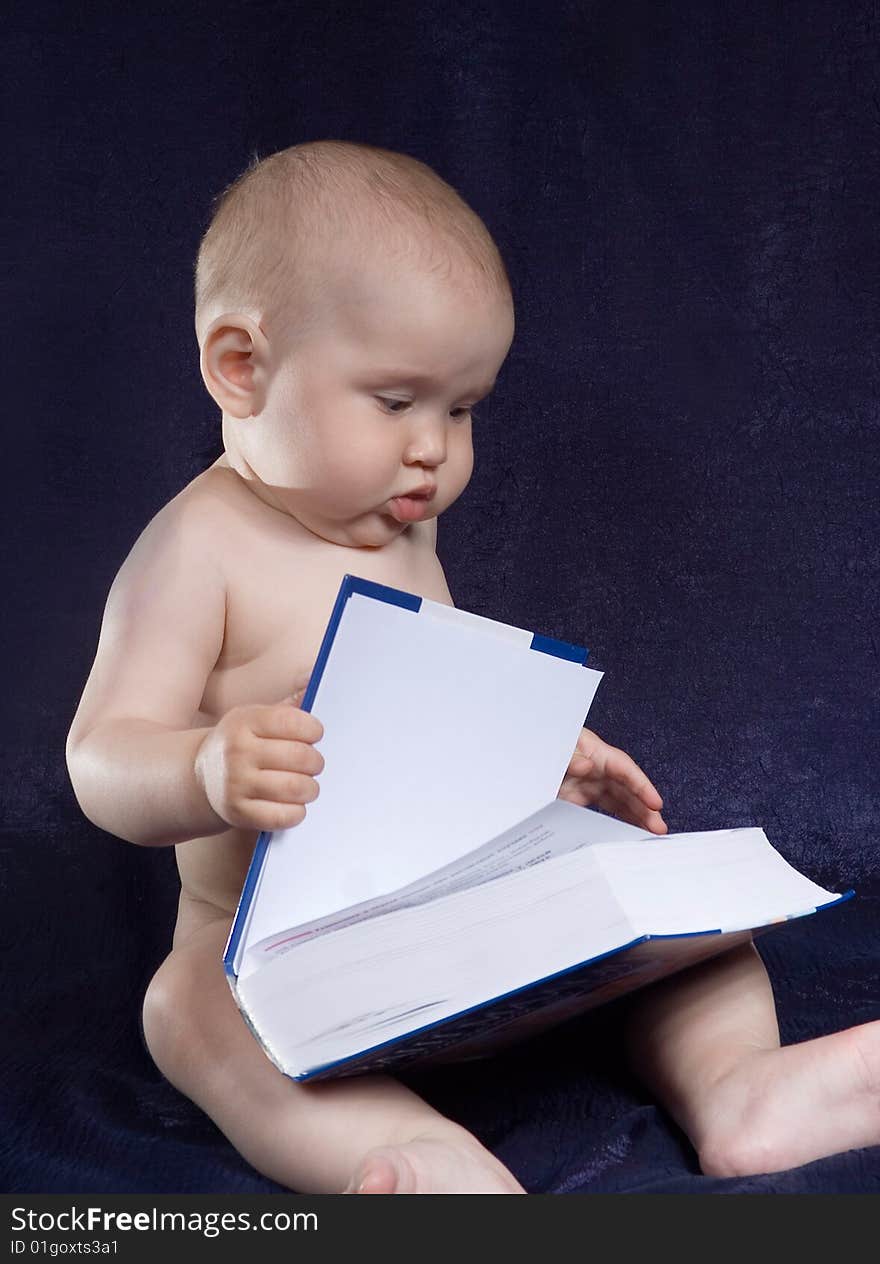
(679, 468)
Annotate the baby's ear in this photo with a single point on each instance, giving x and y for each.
(235, 364)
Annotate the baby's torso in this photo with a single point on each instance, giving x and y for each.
(281, 584)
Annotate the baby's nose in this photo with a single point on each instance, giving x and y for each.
(427, 445)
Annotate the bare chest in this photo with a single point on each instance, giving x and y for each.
(280, 594)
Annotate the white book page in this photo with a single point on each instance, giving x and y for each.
(437, 738)
(431, 960)
(554, 830)
(715, 880)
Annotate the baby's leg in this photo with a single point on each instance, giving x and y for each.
(706, 1042)
(368, 1133)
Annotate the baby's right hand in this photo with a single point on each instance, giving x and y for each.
(257, 765)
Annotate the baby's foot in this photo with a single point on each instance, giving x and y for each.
(433, 1165)
(780, 1108)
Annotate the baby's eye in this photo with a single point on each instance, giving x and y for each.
(397, 406)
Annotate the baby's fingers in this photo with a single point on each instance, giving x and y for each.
(289, 756)
(624, 770)
(263, 815)
(284, 787)
(286, 721)
(627, 806)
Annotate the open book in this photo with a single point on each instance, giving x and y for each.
(438, 899)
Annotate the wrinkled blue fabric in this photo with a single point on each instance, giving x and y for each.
(678, 468)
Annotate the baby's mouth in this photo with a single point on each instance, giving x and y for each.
(425, 491)
(410, 508)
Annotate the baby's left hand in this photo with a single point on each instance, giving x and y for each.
(602, 776)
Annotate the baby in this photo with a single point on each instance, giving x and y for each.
(351, 310)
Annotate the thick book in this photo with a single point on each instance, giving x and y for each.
(438, 900)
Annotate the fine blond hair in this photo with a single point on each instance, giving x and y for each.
(294, 223)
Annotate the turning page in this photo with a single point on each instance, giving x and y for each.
(442, 729)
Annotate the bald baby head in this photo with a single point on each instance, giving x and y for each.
(288, 237)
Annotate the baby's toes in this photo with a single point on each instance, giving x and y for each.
(383, 1171)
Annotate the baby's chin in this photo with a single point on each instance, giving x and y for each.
(370, 531)
(383, 530)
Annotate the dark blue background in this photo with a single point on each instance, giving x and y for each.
(679, 468)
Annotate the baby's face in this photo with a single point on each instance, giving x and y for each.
(376, 403)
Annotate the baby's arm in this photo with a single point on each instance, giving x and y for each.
(133, 752)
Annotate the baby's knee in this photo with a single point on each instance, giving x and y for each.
(188, 1001)
(166, 1014)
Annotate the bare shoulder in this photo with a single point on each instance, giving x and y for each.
(164, 620)
(195, 524)
(212, 501)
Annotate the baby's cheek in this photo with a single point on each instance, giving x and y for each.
(355, 469)
(318, 456)
(462, 464)
(296, 461)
